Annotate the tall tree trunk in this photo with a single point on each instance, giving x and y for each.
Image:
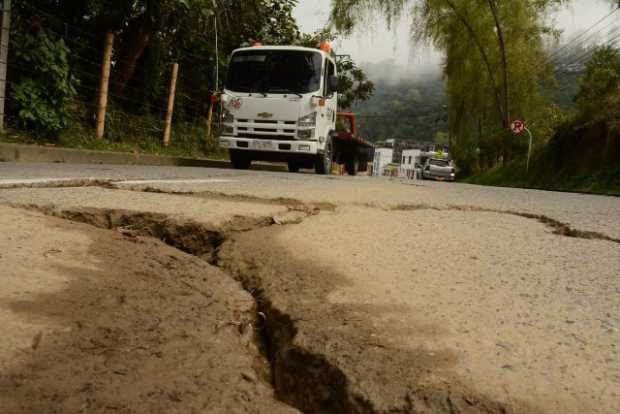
(139, 38)
(485, 59)
(504, 56)
(502, 48)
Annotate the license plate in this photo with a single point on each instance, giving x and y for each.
(440, 178)
(262, 145)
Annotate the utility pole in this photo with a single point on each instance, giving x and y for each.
(4, 54)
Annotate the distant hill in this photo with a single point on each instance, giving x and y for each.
(410, 110)
(412, 106)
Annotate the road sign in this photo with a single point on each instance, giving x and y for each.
(517, 127)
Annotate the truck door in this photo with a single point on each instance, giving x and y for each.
(328, 114)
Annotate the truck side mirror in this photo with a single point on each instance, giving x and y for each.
(332, 84)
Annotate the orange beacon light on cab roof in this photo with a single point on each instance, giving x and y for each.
(326, 47)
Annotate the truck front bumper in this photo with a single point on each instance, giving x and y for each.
(267, 145)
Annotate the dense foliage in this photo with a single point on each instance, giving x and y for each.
(41, 92)
(497, 68)
(60, 41)
(354, 85)
(584, 152)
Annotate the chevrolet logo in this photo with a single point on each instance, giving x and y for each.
(265, 115)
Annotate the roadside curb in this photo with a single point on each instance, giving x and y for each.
(40, 154)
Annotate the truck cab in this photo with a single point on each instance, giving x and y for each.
(279, 104)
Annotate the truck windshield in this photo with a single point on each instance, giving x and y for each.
(275, 71)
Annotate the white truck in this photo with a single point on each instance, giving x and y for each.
(279, 104)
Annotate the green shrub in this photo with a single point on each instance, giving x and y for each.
(42, 91)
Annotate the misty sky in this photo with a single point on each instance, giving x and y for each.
(376, 43)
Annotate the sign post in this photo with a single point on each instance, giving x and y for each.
(529, 151)
(517, 127)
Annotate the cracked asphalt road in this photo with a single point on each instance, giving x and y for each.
(426, 297)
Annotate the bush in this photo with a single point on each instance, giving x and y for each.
(41, 92)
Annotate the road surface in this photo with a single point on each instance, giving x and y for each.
(338, 294)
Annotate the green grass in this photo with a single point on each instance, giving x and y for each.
(605, 181)
(126, 133)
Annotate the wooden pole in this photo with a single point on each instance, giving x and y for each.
(105, 83)
(209, 121)
(214, 100)
(170, 111)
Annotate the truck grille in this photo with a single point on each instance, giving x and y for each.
(266, 129)
(259, 136)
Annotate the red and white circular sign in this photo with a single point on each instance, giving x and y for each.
(517, 127)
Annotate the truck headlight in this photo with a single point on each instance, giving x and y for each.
(308, 121)
(228, 117)
(305, 134)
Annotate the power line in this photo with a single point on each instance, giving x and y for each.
(553, 55)
(585, 56)
(583, 42)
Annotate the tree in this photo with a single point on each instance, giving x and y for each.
(490, 75)
(600, 87)
(354, 85)
(43, 87)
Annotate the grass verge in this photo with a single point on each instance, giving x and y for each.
(605, 181)
(126, 133)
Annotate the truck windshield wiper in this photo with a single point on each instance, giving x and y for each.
(286, 92)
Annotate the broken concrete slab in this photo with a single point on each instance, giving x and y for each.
(404, 313)
(95, 321)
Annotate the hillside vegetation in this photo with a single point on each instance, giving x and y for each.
(502, 63)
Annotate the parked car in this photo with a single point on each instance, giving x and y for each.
(438, 169)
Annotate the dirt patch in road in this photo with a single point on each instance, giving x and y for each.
(133, 326)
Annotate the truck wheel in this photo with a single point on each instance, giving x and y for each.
(352, 165)
(239, 160)
(323, 163)
(363, 167)
(293, 167)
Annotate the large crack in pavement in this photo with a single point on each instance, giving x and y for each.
(301, 378)
(305, 380)
(559, 228)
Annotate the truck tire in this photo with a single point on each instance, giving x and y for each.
(363, 164)
(239, 160)
(323, 162)
(352, 165)
(293, 167)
